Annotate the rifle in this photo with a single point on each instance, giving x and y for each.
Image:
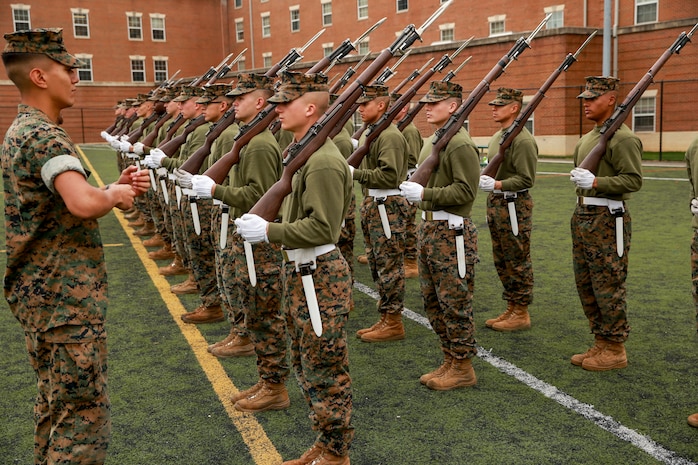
(387, 118)
(519, 123)
(225, 68)
(409, 117)
(612, 124)
(150, 138)
(126, 125)
(136, 134)
(455, 122)
(116, 123)
(269, 204)
(220, 169)
(347, 75)
(212, 71)
(170, 147)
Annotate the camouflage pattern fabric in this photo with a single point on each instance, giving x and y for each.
(599, 272)
(261, 306)
(411, 232)
(386, 256)
(200, 250)
(512, 254)
(219, 263)
(448, 298)
(321, 364)
(346, 237)
(231, 289)
(176, 219)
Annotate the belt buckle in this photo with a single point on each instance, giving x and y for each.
(429, 215)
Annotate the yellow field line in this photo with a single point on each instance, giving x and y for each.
(260, 447)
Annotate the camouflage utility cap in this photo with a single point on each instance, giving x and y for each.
(248, 82)
(373, 92)
(506, 95)
(170, 94)
(439, 91)
(188, 92)
(156, 94)
(599, 85)
(295, 84)
(212, 92)
(46, 41)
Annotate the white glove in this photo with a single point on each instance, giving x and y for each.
(351, 170)
(125, 147)
(354, 143)
(486, 183)
(138, 148)
(124, 137)
(694, 206)
(202, 185)
(154, 160)
(184, 178)
(252, 228)
(412, 191)
(105, 135)
(584, 179)
(115, 143)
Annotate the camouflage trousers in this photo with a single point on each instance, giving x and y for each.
(176, 219)
(71, 414)
(227, 279)
(599, 272)
(694, 271)
(321, 364)
(200, 250)
(512, 254)
(347, 235)
(448, 298)
(386, 256)
(411, 232)
(261, 305)
(157, 204)
(218, 253)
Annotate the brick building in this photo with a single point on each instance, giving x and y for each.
(130, 46)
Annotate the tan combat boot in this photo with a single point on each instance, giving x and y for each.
(240, 346)
(174, 268)
(392, 329)
(460, 374)
(309, 455)
(212, 314)
(137, 222)
(363, 259)
(448, 359)
(147, 230)
(693, 420)
(518, 320)
(411, 268)
(155, 241)
(271, 396)
(598, 346)
(503, 316)
(227, 339)
(190, 286)
(247, 392)
(328, 458)
(132, 214)
(611, 357)
(165, 253)
(371, 328)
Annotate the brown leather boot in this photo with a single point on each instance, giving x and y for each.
(165, 253)
(328, 458)
(598, 346)
(460, 374)
(309, 455)
(371, 328)
(271, 396)
(611, 357)
(147, 230)
(363, 259)
(411, 268)
(227, 339)
(189, 286)
(693, 420)
(503, 316)
(518, 320)
(392, 329)
(212, 314)
(138, 222)
(247, 392)
(155, 241)
(132, 214)
(173, 269)
(448, 359)
(240, 346)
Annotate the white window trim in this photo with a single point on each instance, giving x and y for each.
(240, 21)
(86, 12)
(164, 27)
(358, 9)
(135, 14)
(649, 93)
(83, 57)
(646, 2)
(139, 58)
(20, 6)
(497, 19)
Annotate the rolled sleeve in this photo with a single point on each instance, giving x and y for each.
(58, 165)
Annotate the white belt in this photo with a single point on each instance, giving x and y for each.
(383, 192)
(599, 201)
(616, 208)
(217, 202)
(171, 177)
(498, 191)
(308, 255)
(454, 221)
(189, 192)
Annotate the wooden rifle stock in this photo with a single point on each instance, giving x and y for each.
(152, 135)
(127, 122)
(170, 147)
(136, 134)
(193, 163)
(111, 128)
(173, 127)
(611, 125)
(519, 123)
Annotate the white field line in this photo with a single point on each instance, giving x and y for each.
(605, 422)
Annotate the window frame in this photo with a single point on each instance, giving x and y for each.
(645, 3)
(295, 9)
(86, 14)
(406, 7)
(157, 17)
(134, 15)
(141, 59)
(325, 15)
(265, 22)
(557, 20)
(494, 20)
(361, 5)
(85, 58)
(649, 94)
(156, 71)
(239, 31)
(19, 7)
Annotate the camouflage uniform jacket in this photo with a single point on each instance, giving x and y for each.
(453, 184)
(518, 170)
(55, 273)
(692, 167)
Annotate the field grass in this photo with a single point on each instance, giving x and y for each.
(530, 406)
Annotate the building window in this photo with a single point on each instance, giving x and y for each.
(327, 49)
(645, 11)
(402, 5)
(21, 17)
(266, 58)
(644, 112)
(238, 3)
(557, 18)
(497, 25)
(362, 8)
(85, 70)
(295, 18)
(241, 64)
(135, 26)
(363, 47)
(266, 25)
(160, 72)
(81, 23)
(157, 27)
(446, 32)
(137, 69)
(239, 30)
(326, 13)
